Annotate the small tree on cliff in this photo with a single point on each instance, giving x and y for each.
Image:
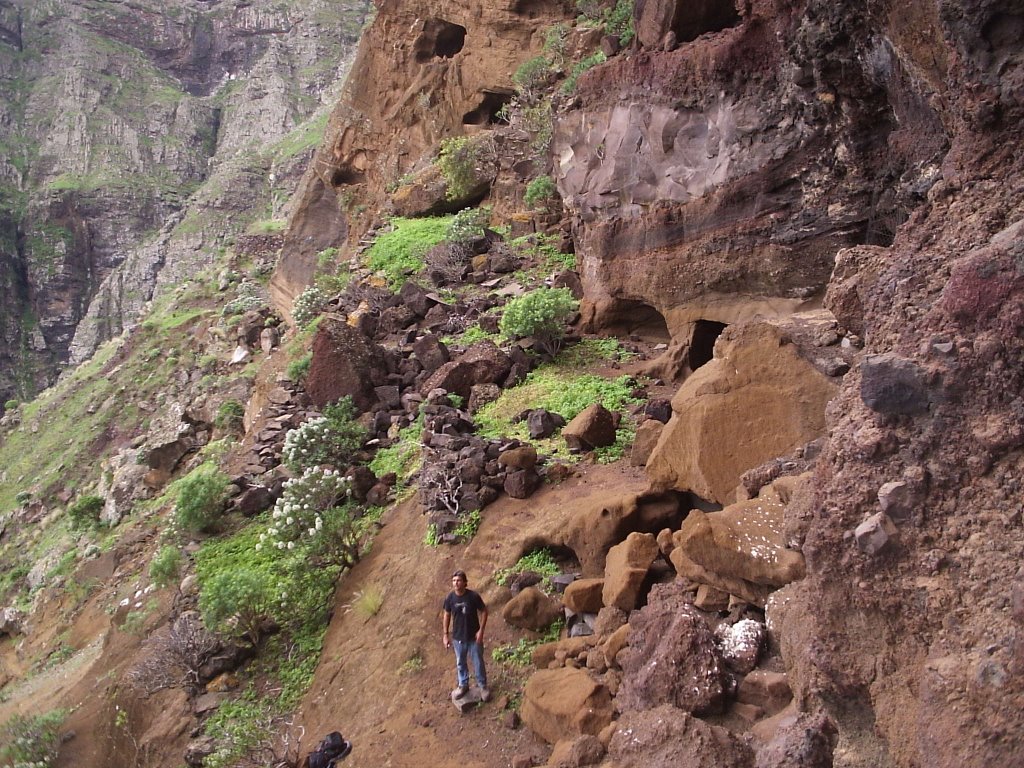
(542, 314)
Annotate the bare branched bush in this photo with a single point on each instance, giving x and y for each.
(359, 293)
(440, 485)
(279, 748)
(173, 658)
(447, 262)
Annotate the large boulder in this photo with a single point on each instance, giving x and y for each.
(482, 363)
(593, 427)
(757, 399)
(560, 704)
(666, 737)
(531, 609)
(584, 595)
(344, 363)
(594, 528)
(671, 657)
(743, 541)
(626, 568)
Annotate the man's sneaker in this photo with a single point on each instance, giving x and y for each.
(485, 693)
(461, 691)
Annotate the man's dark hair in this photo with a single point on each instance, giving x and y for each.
(459, 574)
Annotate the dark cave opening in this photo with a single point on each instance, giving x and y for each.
(440, 39)
(487, 111)
(702, 342)
(698, 17)
(636, 319)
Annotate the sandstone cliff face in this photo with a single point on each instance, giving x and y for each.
(715, 173)
(423, 72)
(112, 118)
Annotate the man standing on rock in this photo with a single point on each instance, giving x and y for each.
(465, 617)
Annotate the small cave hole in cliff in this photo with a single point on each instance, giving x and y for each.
(634, 318)
(487, 112)
(345, 176)
(702, 343)
(531, 9)
(694, 18)
(440, 39)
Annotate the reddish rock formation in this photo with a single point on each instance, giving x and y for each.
(756, 400)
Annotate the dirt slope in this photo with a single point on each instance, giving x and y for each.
(397, 718)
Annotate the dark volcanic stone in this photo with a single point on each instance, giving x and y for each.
(893, 385)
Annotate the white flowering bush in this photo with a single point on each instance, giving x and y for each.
(308, 305)
(248, 298)
(328, 439)
(299, 513)
(31, 741)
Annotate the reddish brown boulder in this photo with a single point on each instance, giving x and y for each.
(594, 528)
(593, 427)
(344, 363)
(756, 400)
(584, 595)
(482, 363)
(666, 737)
(531, 609)
(671, 657)
(626, 568)
(644, 441)
(564, 703)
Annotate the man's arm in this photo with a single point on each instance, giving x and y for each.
(446, 623)
(482, 618)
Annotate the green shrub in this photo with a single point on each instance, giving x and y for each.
(399, 253)
(461, 162)
(31, 741)
(330, 439)
(10, 405)
(541, 314)
(229, 416)
(521, 654)
(538, 561)
(614, 18)
(540, 192)
(22, 498)
(308, 305)
(236, 603)
(85, 511)
(201, 497)
(298, 369)
(556, 41)
(470, 524)
(580, 67)
(165, 566)
(533, 74)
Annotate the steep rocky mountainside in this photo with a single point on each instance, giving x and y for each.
(138, 137)
(764, 460)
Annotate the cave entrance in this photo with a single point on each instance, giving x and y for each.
(694, 18)
(702, 342)
(637, 320)
(440, 39)
(487, 112)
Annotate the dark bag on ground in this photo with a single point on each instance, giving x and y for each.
(332, 750)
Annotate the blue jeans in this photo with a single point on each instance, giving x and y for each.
(475, 651)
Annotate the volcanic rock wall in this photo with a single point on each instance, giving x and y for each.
(757, 158)
(424, 72)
